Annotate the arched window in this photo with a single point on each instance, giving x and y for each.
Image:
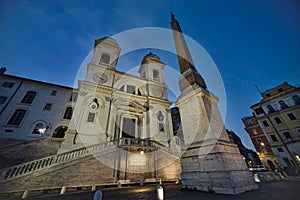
(105, 58)
(296, 99)
(28, 98)
(60, 132)
(39, 129)
(270, 109)
(17, 117)
(282, 104)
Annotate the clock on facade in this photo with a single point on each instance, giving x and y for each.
(100, 78)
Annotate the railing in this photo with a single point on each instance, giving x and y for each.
(42, 163)
(135, 142)
(29, 167)
(148, 143)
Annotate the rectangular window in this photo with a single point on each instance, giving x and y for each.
(259, 111)
(68, 113)
(254, 131)
(291, 116)
(273, 137)
(2, 99)
(277, 120)
(130, 89)
(263, 149)
(28, 98)
(287, 134)
(280, 90)
(17, 117)
(48, 106)
(258, 140)
(91, 117)
(250, 123)
(74, 97)
(298, 130)
(156, 75)
(161, 127)
(53, 93)
(265, 123)
(8, 84)
(279, 149)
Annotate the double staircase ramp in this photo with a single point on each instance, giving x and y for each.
(57, 159)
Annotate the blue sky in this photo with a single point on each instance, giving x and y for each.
(251, 42)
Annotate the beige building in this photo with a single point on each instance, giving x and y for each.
(278, 115)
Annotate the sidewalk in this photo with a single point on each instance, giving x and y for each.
(275, 190)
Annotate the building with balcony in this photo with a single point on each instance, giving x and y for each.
(277, 117)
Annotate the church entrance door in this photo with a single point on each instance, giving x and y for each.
(128, 128)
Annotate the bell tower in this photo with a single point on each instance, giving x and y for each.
(210, 162)
(104, 61)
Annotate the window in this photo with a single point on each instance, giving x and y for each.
(155, 75)
(68, 113)
(8, 84)
(270, 109)
(263, 149)
(287, 134)
(273, 137)
(268, 95)
(17, 117)
(48, 106)
(259, 141)
(28, 98)
(250, 123)
(2, 99)
(39, 129)
(296, 99)
(105, 58)
(53, 93)
(130, 89)
(282, 104)
(291, 116)
(277, 120)
(279, 149)
(254, 131)
(122, 88)
(259, 111)
(91, 117)
(74, 97)
(298, 130)
(280, 90)
(143, 75)
(160, 118)
(265, 123)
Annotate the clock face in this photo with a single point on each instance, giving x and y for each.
(100, 78)
(158, 93)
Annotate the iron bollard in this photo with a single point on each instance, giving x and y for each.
(98, 195)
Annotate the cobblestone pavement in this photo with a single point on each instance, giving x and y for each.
(275, 190)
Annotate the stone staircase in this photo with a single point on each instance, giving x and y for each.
(27, 168)
(46, 162)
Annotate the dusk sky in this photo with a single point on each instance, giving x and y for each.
(251, 42)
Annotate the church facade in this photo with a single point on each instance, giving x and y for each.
(120, 130)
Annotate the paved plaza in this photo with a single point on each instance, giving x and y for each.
(283, 189)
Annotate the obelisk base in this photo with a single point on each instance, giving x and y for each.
(216, 167)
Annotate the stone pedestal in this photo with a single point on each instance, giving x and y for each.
(209, 162)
